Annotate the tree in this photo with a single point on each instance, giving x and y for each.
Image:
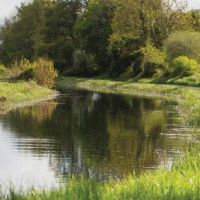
(22, 35)
(93, 29)
(195, 19)
(61, 18)
(137, 22)
(146, 19)
(42, 28)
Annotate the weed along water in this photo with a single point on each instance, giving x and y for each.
(100, 136)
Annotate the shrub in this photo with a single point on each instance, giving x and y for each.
(22, 64)
(21, 70)
(27, 74)
(2, 69)
(152, 60)
(184, 44)
(184, 66)
(124, 52)
(44, 72)
(84, 64)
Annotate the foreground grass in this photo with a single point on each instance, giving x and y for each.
(18, 94)
(182, 182)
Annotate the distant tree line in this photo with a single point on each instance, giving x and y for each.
(94, 37)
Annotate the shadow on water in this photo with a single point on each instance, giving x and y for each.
(98, 135)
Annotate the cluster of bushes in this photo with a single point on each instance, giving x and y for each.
(183, 54)
(184, 66)
(183, 44)
(42, 71)
(179, 57)
(153, 60)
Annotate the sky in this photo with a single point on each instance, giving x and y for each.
(192, 3)
(7, 7)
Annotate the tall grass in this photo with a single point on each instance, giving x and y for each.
(182, 182)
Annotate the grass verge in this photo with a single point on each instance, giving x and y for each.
(182, 182)
(118, 87)
(22, 93)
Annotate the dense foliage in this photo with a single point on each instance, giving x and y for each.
(184, 44)
(95, 37)
(183, 66)
(44, 72)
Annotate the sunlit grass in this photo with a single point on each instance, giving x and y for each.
(119, 87)
(21, 93)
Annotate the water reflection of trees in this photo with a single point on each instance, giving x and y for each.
(98, 135)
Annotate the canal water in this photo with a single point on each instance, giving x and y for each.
(100, 136)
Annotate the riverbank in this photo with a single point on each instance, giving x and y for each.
(188, 97)
(17, 94)
(119, 87)
(181, 182)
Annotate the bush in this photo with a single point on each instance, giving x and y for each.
(84, 64)
(27, 74)
(152, 60)
(124, 52)
(44, 72)
(2, 69)
(184, 66)
(22, 64)
(21, 70)
(184, 44)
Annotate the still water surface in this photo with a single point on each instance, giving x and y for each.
(98, 135)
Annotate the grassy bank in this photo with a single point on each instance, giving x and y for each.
(22, 93)
(193, 80)
(119, 87)
(182, 182)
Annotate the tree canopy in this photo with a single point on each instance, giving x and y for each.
(108, 35)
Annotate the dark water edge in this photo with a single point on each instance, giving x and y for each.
(97, 135)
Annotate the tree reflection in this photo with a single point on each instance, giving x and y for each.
(97, 135)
